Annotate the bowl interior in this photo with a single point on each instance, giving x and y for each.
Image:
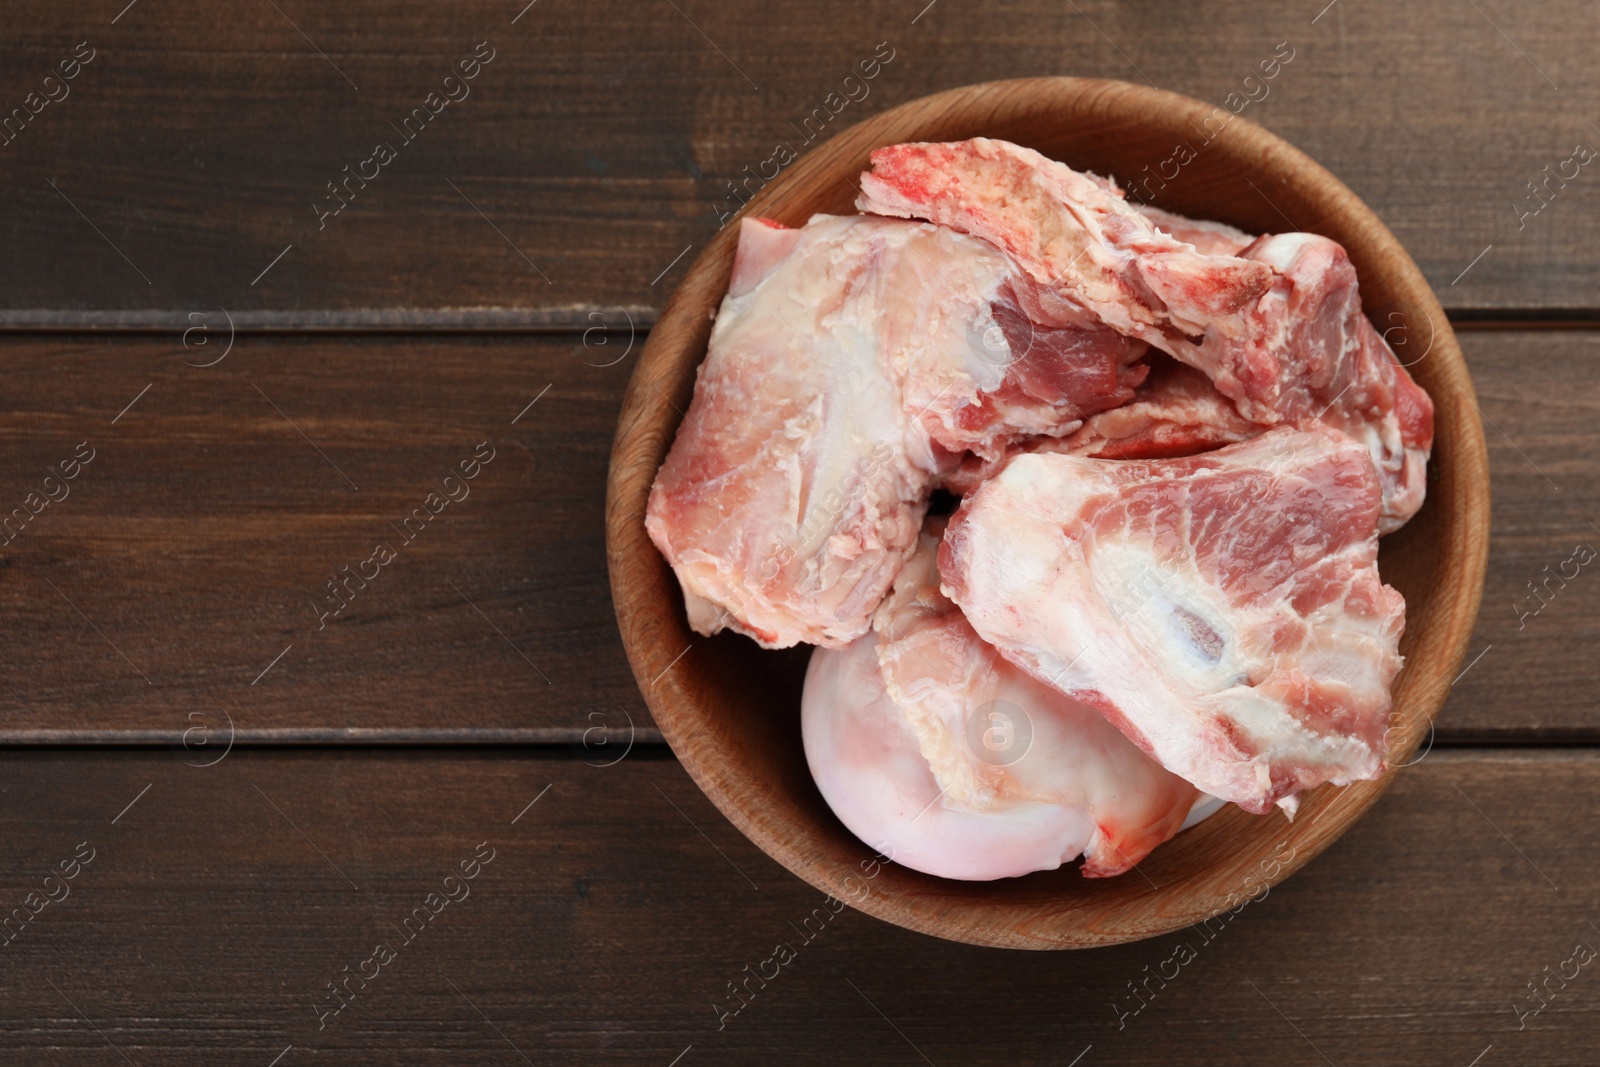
(731, 710)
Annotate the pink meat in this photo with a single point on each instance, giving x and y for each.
(1175, 412)
(948, 683)
(1070, 232)
(936, 751)
(1223, 610)
(1212, 238)
(853, 361)
(1309, 353)
(1277, 327)
(983, 358)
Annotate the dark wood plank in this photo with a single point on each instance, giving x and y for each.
(1540, 395)
(601, 140)
(606, 928)
(198, 537)
(198, 544)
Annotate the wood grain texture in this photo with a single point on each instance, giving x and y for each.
(714, 707)
(597, 147)
(607, 926)
(198, 544)
(60, 682)
(601, 139)
(1536, 631)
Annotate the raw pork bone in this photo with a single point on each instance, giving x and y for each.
(852, 362)
(1072, 233)
(1310, 353)
(1175, 412)
(936, 751)
(1278, 328)
(867, 766)
(1223, 610)
(1212, 238)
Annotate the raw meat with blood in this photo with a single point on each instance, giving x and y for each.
(1278, 327)
(1176, 411)
(852, 362)
(985, 360)
(1223, 610)
(1212, 238)
(866, 763)
(790, 498)
(934, 749)
(1310, 353)
(1073, 234)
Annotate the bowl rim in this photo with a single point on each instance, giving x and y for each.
(652, 408)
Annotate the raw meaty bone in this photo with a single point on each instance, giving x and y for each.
(852, 361)
(1310, 353)
(936, 751)
(1212, 238)
(1071, 232)
(866, 763)
(1176, 411)
(1224, 610)
(1278, 327)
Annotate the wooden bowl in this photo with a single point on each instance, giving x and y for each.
(731, 710)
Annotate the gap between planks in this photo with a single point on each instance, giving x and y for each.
(335, 737)
(653, 752)
(571, 320)
(645, 739)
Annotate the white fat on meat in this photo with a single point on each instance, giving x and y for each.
(1176, 411)
(866, 763)
(1223, 610)
(1073, 233)
(852, 362)
(936, 751)
(1212, 238)
(1276, 325)
(1309, 353)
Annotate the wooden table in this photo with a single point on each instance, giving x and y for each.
(254, 784)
